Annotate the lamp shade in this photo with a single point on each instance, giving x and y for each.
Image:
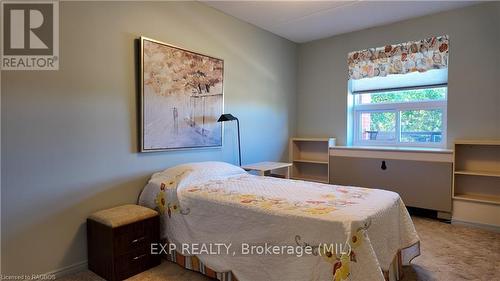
(226, 117)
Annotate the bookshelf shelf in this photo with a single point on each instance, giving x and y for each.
(478, 198)
(478, 173)
(311, 161)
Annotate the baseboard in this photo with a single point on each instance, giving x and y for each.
(70, 269)
(490, 227)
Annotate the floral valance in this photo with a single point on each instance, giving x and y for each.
(423, 55)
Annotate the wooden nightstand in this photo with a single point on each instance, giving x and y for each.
(267, 168)
(119, 241)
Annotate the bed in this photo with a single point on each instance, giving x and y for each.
(343, 232)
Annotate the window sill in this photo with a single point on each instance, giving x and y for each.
(426, 154)
(397, 149)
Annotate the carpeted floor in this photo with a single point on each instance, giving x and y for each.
(449, 253)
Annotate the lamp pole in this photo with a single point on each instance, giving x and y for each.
(239, 144)
(230, 117)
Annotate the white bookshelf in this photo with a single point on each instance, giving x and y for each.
(476, 182)
(310, 158)
(476, 174)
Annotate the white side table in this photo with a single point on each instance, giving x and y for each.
(266, 168)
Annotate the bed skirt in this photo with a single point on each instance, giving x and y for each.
(395, 272)
(194, 264)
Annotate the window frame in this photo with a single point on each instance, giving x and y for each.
(398, 107)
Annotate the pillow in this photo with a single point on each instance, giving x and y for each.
(202, 170)
(214, 168)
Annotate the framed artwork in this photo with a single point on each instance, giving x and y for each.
(181, 98)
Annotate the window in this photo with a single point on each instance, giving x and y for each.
(397, 94)
(400, 117)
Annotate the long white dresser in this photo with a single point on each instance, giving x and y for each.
(422, 177)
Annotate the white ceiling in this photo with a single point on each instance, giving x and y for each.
(303, 21)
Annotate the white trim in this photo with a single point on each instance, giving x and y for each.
(438, 155)
(64, 271)
(402, 105)
(398, 148)
(350, 114)
(408, 80)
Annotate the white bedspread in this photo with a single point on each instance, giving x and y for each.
(214, 202)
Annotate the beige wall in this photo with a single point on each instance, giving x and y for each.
(69, 137)
(474, 95)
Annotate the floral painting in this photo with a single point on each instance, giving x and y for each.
(182, 98)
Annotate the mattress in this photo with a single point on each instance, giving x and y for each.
(265, 228)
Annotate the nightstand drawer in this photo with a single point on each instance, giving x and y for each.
(139, 235)
(132, 263)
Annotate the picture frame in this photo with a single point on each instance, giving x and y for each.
(182, 96)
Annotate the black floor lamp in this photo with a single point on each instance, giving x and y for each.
(230, 117)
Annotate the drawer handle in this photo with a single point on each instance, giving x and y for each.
(139, 257)
(384, 166)
(137, 240)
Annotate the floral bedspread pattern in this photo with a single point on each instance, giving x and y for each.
(423, 55)
(321, 203)
(199, 205)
